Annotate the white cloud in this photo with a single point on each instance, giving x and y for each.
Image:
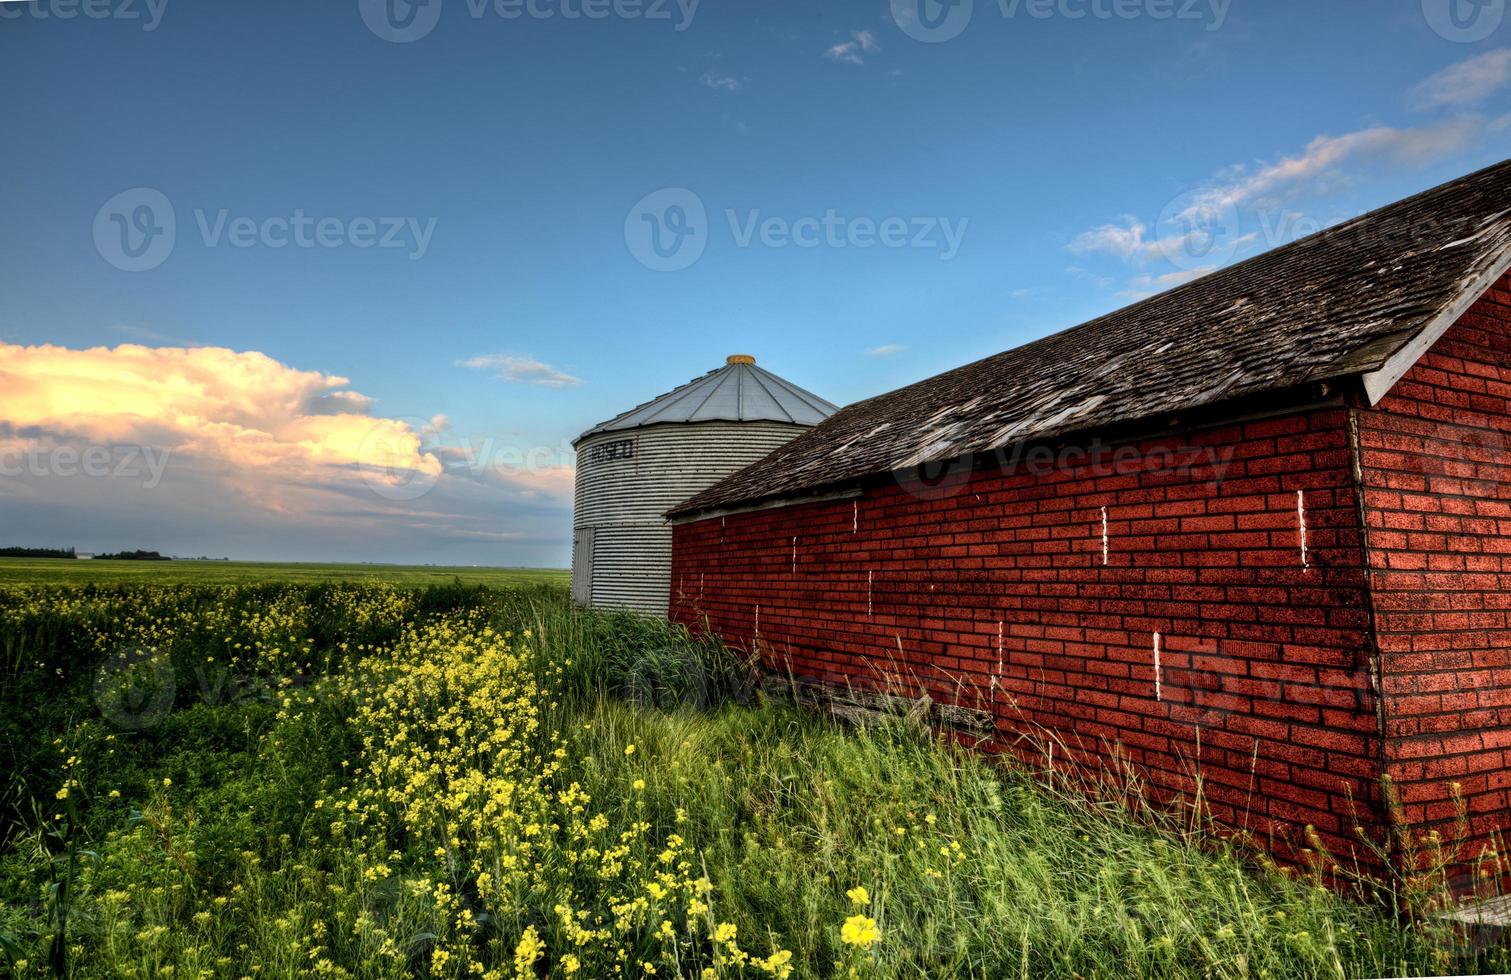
(527, 370)
(1466, 83)
(207, 450)
(850, 52)
(885, 350)
(1206, 219)
(1144, 286)
(1205, 224)
(1125, 240)
(718, 82)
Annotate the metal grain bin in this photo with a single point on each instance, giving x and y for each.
(635, 467)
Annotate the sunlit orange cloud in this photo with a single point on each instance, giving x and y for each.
(239, 407)
(250, 456)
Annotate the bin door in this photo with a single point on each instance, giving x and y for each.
(582, 566)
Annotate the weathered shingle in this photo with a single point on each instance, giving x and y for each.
(1338, 304)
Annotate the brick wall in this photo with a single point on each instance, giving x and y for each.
(991, 590)
(1437, 496)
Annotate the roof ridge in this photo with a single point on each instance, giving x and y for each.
(774, 400)
(1355, 301)
(1188, 287)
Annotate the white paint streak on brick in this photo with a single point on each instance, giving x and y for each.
(870, 576)
(999, 648)
(1301, 524)
(855, 519)
(1104, 535)
(794, 554)
(758, 620)
(1158, 694)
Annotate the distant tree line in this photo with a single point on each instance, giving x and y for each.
(38, 553)
(135, 556)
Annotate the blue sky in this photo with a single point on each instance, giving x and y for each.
(1023, 166)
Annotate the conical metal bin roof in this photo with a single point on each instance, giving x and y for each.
(737, 392)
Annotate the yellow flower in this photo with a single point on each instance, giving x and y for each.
(629, 749)
(167, 782)
(859, 895)
(859, 930)
(639, 784)
(527, 952)
(725, 932)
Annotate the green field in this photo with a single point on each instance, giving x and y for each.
(369, 779)
(21, 571)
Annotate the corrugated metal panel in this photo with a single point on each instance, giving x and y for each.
(627, 481)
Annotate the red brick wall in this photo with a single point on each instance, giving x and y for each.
(1434, 457)
(1264, 669)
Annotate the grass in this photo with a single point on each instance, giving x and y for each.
(368, 780)
(33, 571)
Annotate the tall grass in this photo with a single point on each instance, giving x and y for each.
(210, 842)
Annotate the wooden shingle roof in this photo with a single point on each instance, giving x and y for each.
(1362, 300)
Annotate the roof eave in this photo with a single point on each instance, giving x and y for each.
(1379, 382)
(1324, 391)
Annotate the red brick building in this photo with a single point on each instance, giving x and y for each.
(1258, 526)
